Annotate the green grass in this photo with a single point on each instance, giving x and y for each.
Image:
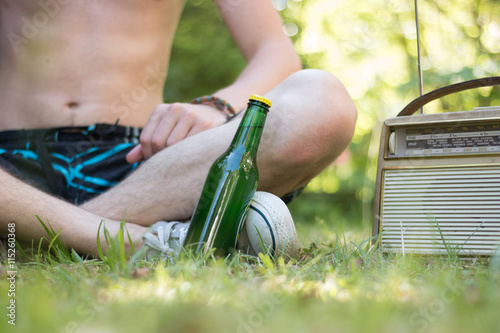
(338, 283)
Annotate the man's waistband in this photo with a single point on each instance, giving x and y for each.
(97, 132)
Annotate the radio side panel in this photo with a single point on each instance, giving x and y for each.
(378, 182)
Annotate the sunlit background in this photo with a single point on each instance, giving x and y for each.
(372, 47)
(338, 282)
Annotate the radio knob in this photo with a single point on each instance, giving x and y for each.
(392, 143)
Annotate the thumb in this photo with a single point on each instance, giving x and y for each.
(135, 155)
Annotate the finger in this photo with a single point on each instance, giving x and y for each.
(186, 121)
(149, 130)
(164, 129)
(135, 155)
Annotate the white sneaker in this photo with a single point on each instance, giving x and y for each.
(166, 238)
(268, 227)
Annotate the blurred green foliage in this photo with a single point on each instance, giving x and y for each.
(204, 57)
(371, 46)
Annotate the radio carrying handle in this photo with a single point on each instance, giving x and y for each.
(451, 89)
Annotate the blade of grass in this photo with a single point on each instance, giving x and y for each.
(99, 246)
(56, 246)
(121, 245)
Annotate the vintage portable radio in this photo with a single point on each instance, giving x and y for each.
(438, 179)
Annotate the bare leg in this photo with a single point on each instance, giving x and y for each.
(20, 203)
(310, 123)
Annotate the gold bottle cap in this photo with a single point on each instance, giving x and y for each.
(260, 99)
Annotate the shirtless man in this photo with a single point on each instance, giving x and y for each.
(77, 63)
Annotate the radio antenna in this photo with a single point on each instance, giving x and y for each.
(419, 65)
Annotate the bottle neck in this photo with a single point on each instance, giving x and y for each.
(251, 126)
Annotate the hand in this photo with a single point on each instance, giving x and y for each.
(171, 123)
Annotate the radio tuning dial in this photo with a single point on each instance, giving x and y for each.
(392, 143)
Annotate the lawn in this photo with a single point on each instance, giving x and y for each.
(338, 283)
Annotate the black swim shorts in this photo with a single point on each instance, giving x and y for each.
(72, 163)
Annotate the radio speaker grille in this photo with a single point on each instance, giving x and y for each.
(435, 210)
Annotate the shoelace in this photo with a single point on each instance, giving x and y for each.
(167, 240)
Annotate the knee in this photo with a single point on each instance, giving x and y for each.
(327, 117)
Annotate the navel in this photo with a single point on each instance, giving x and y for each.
(72, 105)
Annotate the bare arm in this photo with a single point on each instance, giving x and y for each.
(21, 203)
(257, 30)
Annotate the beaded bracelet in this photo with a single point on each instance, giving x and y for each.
(221, 104)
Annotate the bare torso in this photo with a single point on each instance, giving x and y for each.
(79, 62)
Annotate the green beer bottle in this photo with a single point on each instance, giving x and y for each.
(230, 186)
